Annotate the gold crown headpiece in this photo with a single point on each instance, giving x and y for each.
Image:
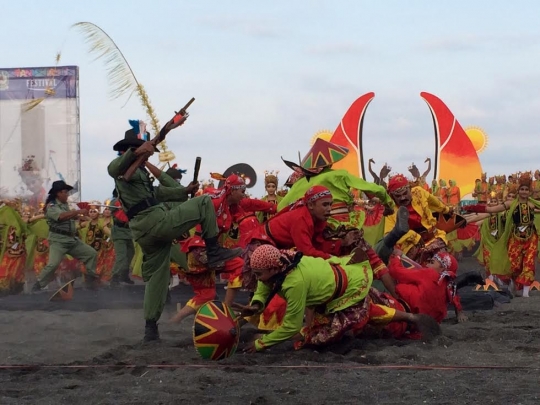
(271, 177)
(525, 179)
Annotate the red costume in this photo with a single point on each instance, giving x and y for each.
(297, 228)
(425, 290)
(294, 226)
(203, 282)
(291, 227)
(242, 213)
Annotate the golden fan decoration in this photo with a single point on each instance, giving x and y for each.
(122, 79)
(49, 91)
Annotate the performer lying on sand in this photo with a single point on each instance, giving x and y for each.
(428, 290)
(338, 288)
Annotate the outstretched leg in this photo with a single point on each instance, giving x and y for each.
(385, 246)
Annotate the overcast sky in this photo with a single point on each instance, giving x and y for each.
(268, 75)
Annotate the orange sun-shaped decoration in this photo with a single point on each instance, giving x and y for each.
(478, 138)
(325, 135)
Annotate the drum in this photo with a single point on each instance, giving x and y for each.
(65, 293)
(216, 331)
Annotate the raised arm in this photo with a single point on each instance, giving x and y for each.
(483, 208)
(292, 321)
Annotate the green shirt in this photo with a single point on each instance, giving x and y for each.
(54, 209)
(339, 182)
(139, 188)
(168, 181)
(310, 284)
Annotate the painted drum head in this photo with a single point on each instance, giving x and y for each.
(216, 331)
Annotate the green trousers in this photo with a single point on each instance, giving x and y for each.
(156, 247)
(178, 257)
(65, 245)
(124, 251)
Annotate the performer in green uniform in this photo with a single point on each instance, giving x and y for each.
(124, 248)
(63, 237)
(153, 226)
(170, 178)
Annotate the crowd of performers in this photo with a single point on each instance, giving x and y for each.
(310, 255)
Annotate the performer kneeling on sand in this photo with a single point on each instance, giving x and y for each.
(153, 226)
(63, 237)
(338, 288)
(423, 239)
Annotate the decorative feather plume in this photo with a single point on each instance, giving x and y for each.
(49, 91)
(120, 75)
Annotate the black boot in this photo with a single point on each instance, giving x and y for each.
(400, 229)
(217, 255)
(151, 333)
(125, 278)
(36, 287)
(115, 281)
(91, 282)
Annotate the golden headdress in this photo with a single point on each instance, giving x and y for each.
(271, 177)
(94, 205)
(525, 179)
(512, 188)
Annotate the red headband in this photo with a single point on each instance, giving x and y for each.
(235, 182)
(316, 193)
(397, 182)
(448, 262)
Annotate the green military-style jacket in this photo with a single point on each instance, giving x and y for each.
(140, 188)
(168, 181)
(54, 209)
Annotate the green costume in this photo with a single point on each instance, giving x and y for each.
(123, 248)
(339, 182)
(154, 227)
(499, 262)
(177, 256)
(63, 240)
(313, 283)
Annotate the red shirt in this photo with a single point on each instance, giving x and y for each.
(423, 290)
(227, 214)
(296, 228)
